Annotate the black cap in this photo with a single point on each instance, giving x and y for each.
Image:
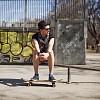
(42, 24)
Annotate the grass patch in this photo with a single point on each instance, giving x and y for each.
(90, 51)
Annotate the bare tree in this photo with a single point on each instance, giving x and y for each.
(94, 21)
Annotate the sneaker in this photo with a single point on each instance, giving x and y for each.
(35, 78)
(51, 78)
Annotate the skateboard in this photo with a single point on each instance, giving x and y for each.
(31, 81)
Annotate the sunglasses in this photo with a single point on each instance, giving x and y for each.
(47, 29)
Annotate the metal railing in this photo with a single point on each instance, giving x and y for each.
(27, 13)
(24, 13)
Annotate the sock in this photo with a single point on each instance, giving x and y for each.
(50, 75)
(36, 74)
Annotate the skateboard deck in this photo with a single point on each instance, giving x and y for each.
(31, 81)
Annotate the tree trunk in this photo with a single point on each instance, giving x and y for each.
(98, 49)
(98, 44)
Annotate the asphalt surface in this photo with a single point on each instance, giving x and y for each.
(85, 84)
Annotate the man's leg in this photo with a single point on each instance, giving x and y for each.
(51, 65)
(35, 63)
(51, 62)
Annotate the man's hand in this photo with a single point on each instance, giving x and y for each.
(43, 56)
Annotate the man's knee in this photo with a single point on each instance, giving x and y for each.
(51, 54)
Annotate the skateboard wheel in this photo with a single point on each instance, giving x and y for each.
(53, 85)
(29, 84)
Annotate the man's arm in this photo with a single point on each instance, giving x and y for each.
(36, 45)
(50, 45)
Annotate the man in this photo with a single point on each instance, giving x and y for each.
(43, 42)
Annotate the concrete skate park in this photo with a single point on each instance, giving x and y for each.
(77, 72)
(85, 84)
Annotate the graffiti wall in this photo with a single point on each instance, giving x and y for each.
(16, 47)
(70, 42)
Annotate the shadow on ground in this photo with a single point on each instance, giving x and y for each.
(12, 82)
(20, 82)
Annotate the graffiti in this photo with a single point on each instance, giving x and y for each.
(4, 58)
(15, 59)
(28, 59)
(15, 47)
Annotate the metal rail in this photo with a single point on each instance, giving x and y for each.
(82, 67)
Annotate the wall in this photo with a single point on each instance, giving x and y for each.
(70, 42)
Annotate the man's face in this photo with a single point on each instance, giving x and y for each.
(46, 30)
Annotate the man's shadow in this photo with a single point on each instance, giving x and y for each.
(12, 82)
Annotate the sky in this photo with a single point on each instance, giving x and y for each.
(14, 10)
